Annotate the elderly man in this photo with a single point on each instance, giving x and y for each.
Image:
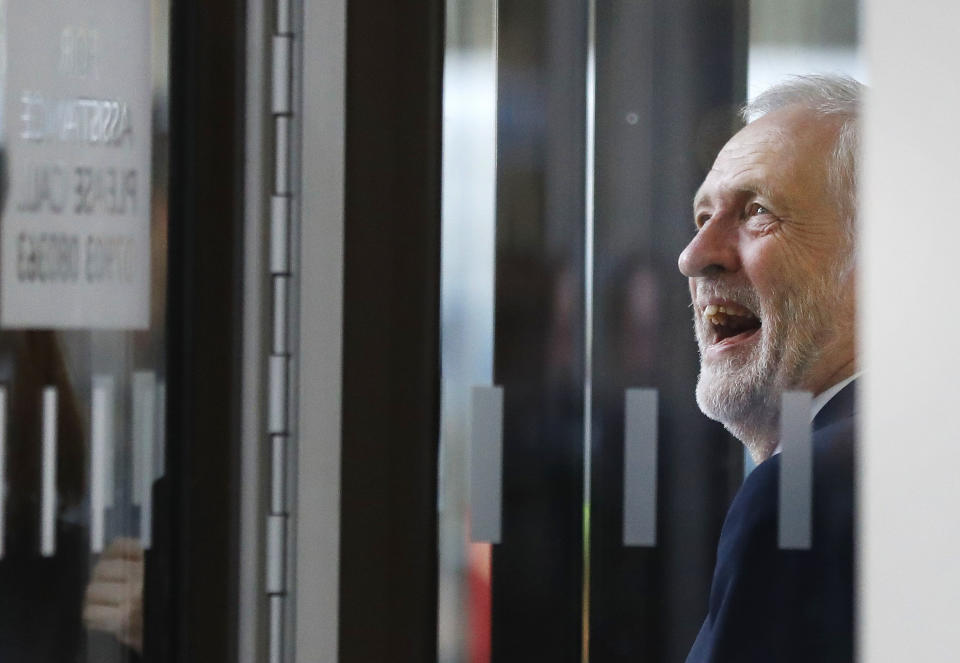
(772, 285)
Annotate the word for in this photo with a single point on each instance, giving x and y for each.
(79, 51)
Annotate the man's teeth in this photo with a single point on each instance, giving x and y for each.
(717, 315)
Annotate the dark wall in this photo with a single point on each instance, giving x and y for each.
(192, 573)
(391, 354)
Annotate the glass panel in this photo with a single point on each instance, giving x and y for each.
(522, 597)
(469, 139)
(668, 84)
(593, 321)
(82, 308)
(666, 93)
(538, 569)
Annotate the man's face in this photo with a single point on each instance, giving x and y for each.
(772, 295)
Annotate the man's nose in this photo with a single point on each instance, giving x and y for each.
(713, 250)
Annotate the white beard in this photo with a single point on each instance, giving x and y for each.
(742, 390)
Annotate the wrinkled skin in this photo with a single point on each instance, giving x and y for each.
(771, 237)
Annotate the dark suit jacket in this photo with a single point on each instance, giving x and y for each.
(774, 606)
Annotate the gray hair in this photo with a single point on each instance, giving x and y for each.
(827, 95)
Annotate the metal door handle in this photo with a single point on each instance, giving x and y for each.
(796, 471)
(486, 464)
(3, 468)
(48, 492)
(144, 429)
(640, 468)
(101, 459)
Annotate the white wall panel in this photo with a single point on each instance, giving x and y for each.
(910, 446)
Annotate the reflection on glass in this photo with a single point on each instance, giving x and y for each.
(469, 104)
(83, 95)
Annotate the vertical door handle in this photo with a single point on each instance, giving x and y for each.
(796, 471)
(48, 486)
(3, 468)
(160, 453)
(486, 464)
(101, 459)
(640, 468)
(144, 429)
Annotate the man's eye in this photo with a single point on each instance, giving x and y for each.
(756, 209)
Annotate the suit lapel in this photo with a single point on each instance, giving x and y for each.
(841, 406)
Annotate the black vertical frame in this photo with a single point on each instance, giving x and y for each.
(193, 570)
(391, 317)
(670, 76)
(537, 569)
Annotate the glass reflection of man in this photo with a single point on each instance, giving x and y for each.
(771, 272)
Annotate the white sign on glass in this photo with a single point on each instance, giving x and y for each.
(76, 124)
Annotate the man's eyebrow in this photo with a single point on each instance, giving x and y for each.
(699, 199)
(758, 189)
(748, 190)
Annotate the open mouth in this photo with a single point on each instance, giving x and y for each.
(730, 324)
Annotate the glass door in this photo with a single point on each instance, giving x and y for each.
(512, 586)
(666, 88)
(83, 272)
(582, 490)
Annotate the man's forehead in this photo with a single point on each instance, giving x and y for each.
(763, 152)
(721, 183)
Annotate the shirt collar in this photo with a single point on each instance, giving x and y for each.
(823, 398)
